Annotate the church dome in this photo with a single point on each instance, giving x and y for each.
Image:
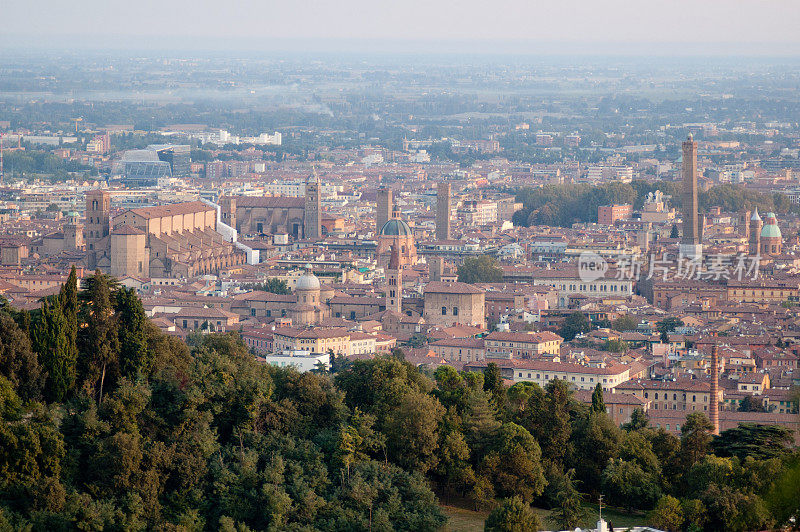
(307, 281)
(771, 231)
(395, 227)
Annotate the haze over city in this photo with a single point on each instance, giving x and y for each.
(509, 26)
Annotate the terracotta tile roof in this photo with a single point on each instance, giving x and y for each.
(683, 384)
(292, 332)
(546, 365)
(174, 209)
(438, 287)
(275, 202)
(126, 229)
(473, 343)
(544, 336)
(614, 398)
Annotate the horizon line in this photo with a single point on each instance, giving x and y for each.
(98, 43)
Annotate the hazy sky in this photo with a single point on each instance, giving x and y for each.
(769, 25)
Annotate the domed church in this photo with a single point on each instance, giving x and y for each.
(771, 237)
(765, 238)
(311, 306)
(398, 234)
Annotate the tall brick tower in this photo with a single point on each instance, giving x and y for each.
(228, 210)
(383, 210)
(743, 224)
(443, 212)
(690, 247)
(98, 222)
(756, 225)
(394, 281)
(312, 227)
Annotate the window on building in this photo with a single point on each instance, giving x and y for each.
(455, 311)
(444, 311)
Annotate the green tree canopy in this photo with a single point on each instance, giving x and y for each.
(667, 514)
(575, 324)
(513, 515)
(756, 441)
(695, 437)
(625, 323)
(598, 405)
(482, 269)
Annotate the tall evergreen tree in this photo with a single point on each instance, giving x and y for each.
(49, 339)
(569, 511)
(134, 356)
(101, 361)
(18, 362)
(68, 297)
(695, 437)
(493, 383)
(598, 405)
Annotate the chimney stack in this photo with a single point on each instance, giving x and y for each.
(714, 403)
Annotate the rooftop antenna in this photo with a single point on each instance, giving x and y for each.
(600, 506)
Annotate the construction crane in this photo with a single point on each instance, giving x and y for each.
(76, 120)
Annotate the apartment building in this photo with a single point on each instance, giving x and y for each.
(503, 344)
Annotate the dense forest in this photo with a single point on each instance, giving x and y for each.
(107, 423)
(564, 205)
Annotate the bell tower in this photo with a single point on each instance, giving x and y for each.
(394, 282)
(756, 224)
(98, 222)
(312, 226)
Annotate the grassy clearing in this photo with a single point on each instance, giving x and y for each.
(463, 520)
(466, 520)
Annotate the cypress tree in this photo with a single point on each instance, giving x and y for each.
(101, 361)
(68, 298)
(598, 405)
(134, 355)
(49, 339)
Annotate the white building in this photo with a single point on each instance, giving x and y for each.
(297, 189)
(300, 360)
(603, 173)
